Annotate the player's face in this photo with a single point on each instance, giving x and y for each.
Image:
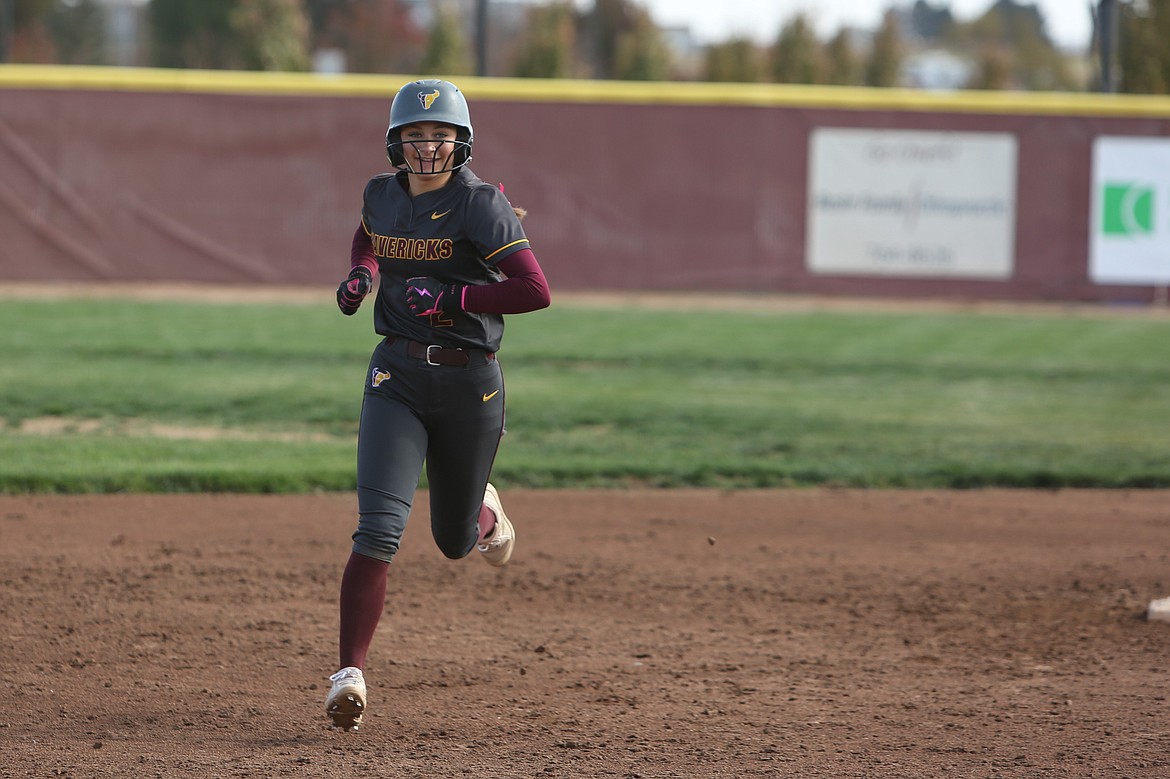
(428, 147)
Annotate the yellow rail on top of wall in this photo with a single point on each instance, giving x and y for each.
(65, 77)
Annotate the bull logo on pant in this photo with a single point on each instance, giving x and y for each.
(428, 99)
(377, 376)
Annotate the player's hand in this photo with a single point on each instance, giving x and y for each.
(354, 289)
(426, 296)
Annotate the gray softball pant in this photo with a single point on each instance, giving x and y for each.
(413, 412)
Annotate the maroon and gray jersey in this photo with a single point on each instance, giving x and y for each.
(457, 235)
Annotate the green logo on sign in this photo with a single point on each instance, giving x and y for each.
(1129, 209)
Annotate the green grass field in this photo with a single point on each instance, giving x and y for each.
(132, 395)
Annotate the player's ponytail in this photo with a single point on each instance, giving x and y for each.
(520, 212)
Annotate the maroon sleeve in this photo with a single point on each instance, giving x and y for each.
(524, 290)
(361, 252)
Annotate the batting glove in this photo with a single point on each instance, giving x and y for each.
(426, 296)
(354, 289)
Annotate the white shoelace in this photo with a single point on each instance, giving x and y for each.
(347, 673)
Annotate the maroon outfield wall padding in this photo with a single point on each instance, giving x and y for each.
(244, 188)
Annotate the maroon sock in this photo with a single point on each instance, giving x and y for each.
(363, 595)
(487, 522)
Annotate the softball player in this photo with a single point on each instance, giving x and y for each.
(452, 259)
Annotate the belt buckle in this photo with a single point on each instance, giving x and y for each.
(429, 360)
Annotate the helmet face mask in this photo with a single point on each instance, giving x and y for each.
(427, 154)
(430, 100)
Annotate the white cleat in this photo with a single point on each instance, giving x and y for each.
(347, 700)
(497, 548)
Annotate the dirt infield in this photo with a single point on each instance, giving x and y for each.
(817, 633)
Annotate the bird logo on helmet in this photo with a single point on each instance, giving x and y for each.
(430, 100)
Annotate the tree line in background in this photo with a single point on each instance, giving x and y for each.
(1005, 48)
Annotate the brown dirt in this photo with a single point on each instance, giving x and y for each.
(817, 633)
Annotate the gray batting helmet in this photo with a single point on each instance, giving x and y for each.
(430, 100)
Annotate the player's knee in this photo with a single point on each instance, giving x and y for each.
(456, 547)
(452, 552)
(374, 547)
(377, 538)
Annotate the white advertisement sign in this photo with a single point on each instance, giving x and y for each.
(911, 203)
(1129, 239)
